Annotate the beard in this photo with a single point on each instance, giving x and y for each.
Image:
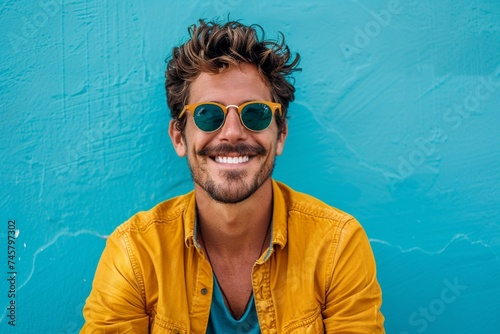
(234, 189)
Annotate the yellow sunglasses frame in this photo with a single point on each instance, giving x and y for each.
(225, 109)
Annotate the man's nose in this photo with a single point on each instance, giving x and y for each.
(233, 130)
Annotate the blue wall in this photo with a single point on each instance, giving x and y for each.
(394, 122)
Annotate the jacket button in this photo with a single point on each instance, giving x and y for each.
(204, 291)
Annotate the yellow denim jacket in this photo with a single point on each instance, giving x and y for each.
(318, 276)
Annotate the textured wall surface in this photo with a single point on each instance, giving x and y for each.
(394, 122)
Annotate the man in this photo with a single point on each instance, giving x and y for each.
(242, 253)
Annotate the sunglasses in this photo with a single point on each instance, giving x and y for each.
(254, 115)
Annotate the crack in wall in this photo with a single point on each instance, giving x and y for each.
(64, 232)
(456, 237)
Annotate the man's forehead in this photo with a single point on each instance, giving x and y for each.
(237, 84)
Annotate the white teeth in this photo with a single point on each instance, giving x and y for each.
(232, 160)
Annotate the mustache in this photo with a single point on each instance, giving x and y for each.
(224, 149)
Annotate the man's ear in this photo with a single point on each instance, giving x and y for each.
(177, 139)
(281, 139)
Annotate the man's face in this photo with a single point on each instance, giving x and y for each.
(211, 156)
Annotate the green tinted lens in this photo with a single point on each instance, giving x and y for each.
(256, 116)
(208, 117)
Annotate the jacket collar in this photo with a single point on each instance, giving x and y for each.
(189, 220)
(279, 223)
(280, 216)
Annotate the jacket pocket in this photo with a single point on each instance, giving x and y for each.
(161, 326)
(310, 323)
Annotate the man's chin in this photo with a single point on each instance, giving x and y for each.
(231, 191)
(230, 195)
(234, 176)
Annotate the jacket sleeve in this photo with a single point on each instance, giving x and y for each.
(354, 296)
(116, 303)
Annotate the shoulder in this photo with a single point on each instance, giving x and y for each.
(163, 214)
(304, 209)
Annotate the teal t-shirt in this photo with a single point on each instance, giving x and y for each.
(221, 320)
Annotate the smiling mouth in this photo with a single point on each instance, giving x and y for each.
(232, 155)
(231, 160)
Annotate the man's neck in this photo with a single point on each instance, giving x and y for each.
(235, 229)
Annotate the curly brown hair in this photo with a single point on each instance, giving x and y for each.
(214, 47)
